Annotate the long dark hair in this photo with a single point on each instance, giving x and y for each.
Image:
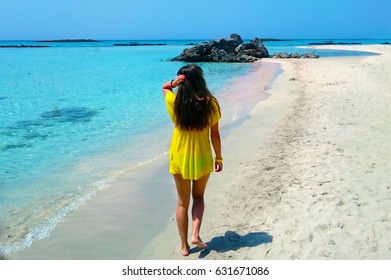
(193, 103)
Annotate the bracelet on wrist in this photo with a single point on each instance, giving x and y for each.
(218, 160)
(172, 86)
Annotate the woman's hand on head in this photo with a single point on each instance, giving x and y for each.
(168, 86)
(179, 80)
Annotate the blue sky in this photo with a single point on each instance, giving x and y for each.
(194, 19)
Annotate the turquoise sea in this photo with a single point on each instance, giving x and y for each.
(74, 116)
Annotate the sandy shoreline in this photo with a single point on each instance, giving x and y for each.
(307, 177)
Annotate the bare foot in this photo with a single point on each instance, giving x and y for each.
(185, 251)
(199, 243)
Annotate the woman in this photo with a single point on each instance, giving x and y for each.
(195, 113)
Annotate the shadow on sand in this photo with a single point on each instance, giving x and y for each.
(231, 241)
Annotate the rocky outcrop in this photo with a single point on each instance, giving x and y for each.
(231, 49)
(23, 46)
(294, 55)
(137, 44)
(254, 48)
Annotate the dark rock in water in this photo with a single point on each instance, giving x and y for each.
(231, 49)
(281, 55)
(273, 40)
(68, 41)
(14, 146)
(309, 55)
(71, 114)
(135, 44)
(23, 134)
(23, 46)
(294, 55)
(26, 125)
(254, 48)
(386, 43)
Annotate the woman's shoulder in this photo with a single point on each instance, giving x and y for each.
(215, 102)
(216, 112)
(213, 99)
(170, 96)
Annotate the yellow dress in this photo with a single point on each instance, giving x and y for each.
(190, 151)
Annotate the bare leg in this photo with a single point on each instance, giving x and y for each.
(198, 210)
(183, 190)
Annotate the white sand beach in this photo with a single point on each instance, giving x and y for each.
(307, 177)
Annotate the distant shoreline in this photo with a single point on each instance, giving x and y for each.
(22, 46)
(68, 41)
(135, 44)
(314, 40)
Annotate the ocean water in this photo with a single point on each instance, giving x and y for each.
(75, 116)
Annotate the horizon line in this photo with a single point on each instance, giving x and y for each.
(86, 40)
